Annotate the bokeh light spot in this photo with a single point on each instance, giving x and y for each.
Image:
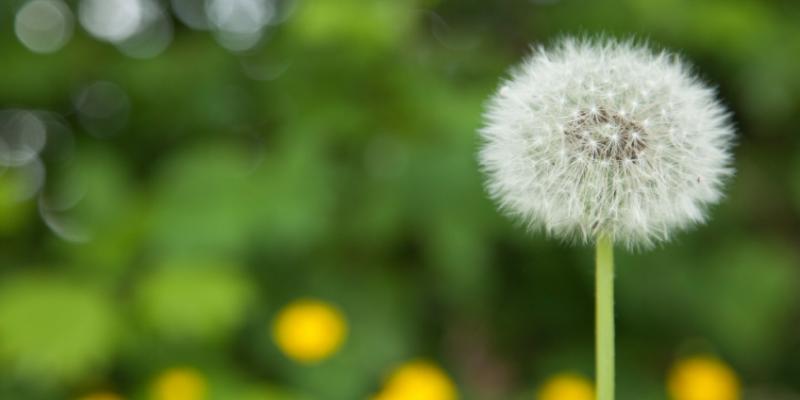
(239, 24)
(28, 179)
(309, 330)
(180, 384)
(61, 224)
(419, 380)
(22, 136)
(191, 12)
(111, 20)
(44, 26)
(101, 396)
(103, 108)
(703, 378)
(153, 35)
(566, 386)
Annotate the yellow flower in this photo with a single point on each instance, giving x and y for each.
(703, 378)
(101, 396)
(180, 384)
(309, 330)
(418, 380)
(566, 386)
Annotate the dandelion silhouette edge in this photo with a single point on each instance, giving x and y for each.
(600, 137)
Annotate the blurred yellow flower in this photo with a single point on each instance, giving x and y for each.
(101, 396)
(418, 380)
(309, 330)
(180, 384)
(703, 378)
(566, 386)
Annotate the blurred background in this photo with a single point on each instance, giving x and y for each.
(279, 200)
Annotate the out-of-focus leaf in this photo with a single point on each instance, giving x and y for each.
(196, 300)
(53, 330)
(370, 24)
(197, 206)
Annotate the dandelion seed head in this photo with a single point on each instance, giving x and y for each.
(604, 137)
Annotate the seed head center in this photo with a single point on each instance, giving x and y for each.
(604, 135)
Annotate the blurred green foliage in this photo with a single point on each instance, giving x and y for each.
(336, 159)
(192, 301)
(55, 330)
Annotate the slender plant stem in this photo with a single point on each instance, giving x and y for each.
(604, 319)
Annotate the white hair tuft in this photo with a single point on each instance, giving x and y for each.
(606, 137)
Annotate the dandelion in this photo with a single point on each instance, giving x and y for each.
(604, 141)
(703, 378)
(180, 384)
(309, 331)
(418, 380)
(101, 396)
(566, 386)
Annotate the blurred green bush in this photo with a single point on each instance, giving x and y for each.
(204, 167)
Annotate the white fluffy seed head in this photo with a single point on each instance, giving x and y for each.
(606, 137)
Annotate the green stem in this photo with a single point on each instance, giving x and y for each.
(605, 319)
